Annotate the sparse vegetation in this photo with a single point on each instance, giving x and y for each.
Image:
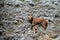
(32, 0)
(36, 0)
(22, 0)
(57, 23)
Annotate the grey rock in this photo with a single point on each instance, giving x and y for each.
(14, 19)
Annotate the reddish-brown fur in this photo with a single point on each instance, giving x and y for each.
(35, 21)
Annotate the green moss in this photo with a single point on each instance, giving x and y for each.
(35, 0)
(51, 38)
(58, 32)
(57, 23)
(22, 0)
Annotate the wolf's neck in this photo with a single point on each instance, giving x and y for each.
(31, 20)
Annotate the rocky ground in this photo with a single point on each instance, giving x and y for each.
(14, 23)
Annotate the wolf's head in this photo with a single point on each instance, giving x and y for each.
(30, 18)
